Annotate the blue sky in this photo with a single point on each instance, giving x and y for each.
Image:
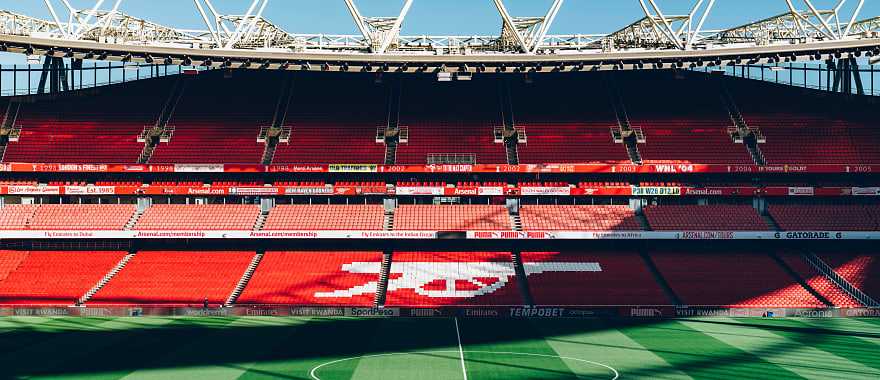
(441, 17)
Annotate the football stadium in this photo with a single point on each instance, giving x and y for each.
(683, 196)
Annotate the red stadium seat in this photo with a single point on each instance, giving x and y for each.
(52, 277)
(579, 218)
(806, 129)
(861, 269)
(824, 286)
(457, 119)
(705, 218)
(175, 278)
(826, 217)
(17, 217)
(214, 125)
(684, 125)
(452, 279)
(329, 128)
(326, 217)
(731, 279)
(82, 217)
(314, 278)
(96, 129)
(620, 278)
(199, 217)
(65, 217)
(451, 218)
(569, 127)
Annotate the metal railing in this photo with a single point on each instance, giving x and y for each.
(19, 80)
(849, 288)
(815, 76)
(451, 158)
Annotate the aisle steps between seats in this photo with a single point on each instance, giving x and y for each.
(104, 280)
(244, 280)
(382, 286)
(134, 219)
(261, 221)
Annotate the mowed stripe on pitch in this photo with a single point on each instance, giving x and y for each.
(835, 341)
(805, 360)
(70, 351)
(436, 336)
(860, 328)
(202, 363)
(494, 337)
(699, 355)
(599, 341)
(292, 353)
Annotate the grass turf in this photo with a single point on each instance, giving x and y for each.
(426, 349)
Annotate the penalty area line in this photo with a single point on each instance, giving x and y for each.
(460, 349)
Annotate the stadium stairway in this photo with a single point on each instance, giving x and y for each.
(11, 115)
(658, 277)
(391, 142)
(822, 267)
(510, 145)
(390, 150)
(511, 140)
(643, 221)
(522, 280)
(516, 221)
(742, 127)
(134, 219)
(285, 97)
(11, 261)
(244, 280)
(107, 277)
(261, 221)
(382, 285)
(770, 221)
(171, 103)
(388, 223)
(800, 280)
(8, 130)
(619, 106)
(269, 152)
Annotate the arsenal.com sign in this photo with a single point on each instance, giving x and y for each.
(433, 235)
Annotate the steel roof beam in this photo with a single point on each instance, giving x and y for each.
(656, 33)
(687, 33)
(379, 32)
(528, 32)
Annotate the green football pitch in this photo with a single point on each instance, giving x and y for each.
(442, 348)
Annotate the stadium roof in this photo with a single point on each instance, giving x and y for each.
(523, 43)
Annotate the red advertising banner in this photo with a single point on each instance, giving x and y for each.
(653, 168)
(329, 190)
(719, 191)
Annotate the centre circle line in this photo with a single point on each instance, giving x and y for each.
(314, 376)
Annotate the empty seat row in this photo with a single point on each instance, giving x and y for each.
(826, 217)
(578, 218)
(65, 217)
(452, 217)
(326, 217)
(356, 217)
(175, 278)
(52, 277)
(705, 218)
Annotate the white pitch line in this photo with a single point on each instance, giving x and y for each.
(460, 349)
(314, 372)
